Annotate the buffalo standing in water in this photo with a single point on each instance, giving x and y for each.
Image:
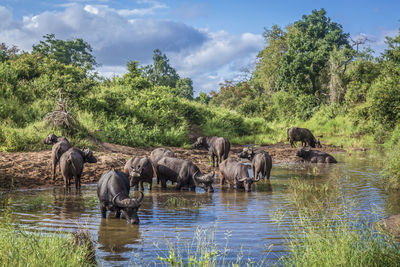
(113, 193)
(184, 173)
(261, 161)
(304, 135)
(235, 173)
(315, 156)
(71, 163)
(218, 147)
(157, 154)
(139, 170)
(60, 146)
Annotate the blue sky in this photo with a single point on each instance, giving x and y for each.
(208, 41)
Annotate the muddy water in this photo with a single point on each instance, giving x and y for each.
(245, 224)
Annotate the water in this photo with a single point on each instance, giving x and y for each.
(247, 221)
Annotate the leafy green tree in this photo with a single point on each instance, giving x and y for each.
(392, 54)
(203, 98)
(7, 52)
(303, 66)
(269, 59)
(161, 73)
(75, 52)
(184, 88)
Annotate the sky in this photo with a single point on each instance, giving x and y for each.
(208, 41)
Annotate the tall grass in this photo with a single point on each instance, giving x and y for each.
(21, 248)
(321, 237)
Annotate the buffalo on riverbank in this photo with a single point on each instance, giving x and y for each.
(303, 135)
(60, 146)
(315, 156)
(261, 161)
(139, 170)
(218, 147)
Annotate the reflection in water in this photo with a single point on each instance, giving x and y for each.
(116, 236)
(250, 219)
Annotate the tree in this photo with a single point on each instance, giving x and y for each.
(393, 52)
(269, 59)
(203, 98)
(184, 88)
(161, 73)
(303, 66)
(71, 52)
(7, 52)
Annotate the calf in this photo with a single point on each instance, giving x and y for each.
(184, 173)
(71, 163)
(113, 193)
(139, 170)
(235, 173)
(315, 156)
(218, 147)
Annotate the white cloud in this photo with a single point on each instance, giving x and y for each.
(206, 57)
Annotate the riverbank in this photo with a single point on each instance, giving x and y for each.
(32, 170)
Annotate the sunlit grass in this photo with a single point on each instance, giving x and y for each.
(180, 202)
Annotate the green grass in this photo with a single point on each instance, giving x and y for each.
(21, 248)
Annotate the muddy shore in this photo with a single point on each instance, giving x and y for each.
(32, 170)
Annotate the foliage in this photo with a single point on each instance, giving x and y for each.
(76, 52)
(161, 73)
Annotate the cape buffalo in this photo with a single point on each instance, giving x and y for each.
(113, 193)
(60, 146)
(157, 154)
(71, 163)
(235, 173)
(139, 170)
(184, 173)
(261, 161)
(304, 135)
(217, 147)
(315, 156)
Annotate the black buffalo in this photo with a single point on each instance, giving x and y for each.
(113, 192)
(60, 146)
(303, 135)
(261, 161)
(184, 173)
(235, 173)
(315, 156)
(157, 154)
(71, 163)
(139, 170)
(218, 147)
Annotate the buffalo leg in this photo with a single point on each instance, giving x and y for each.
(103, 211)
(150, 185)
(163, 184)
(221, 179)
(53, 169)
(118, 214)
(141, 186)
(178, 185)
(213, 160)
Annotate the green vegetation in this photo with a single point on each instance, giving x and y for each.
(22, 248)
(180, 202)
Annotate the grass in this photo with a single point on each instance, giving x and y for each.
(21, 248)
(180, 202)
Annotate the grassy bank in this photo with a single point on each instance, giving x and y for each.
(19, 247)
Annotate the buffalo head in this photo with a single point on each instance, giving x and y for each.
(205, 181)
(247, 153)
(244, 182)
(129, 207)
(51, 139)
(199, 142)
(89, 158)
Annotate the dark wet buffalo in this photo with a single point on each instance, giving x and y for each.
(184, 173)
(315, 156)
(60, 146)
(113, 192)
(157, 154)
(139, 170)
(218, 147)
(303, 135)
(261, 161)
(235, 173)
(71, 164)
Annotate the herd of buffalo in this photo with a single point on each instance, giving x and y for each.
(114, 186)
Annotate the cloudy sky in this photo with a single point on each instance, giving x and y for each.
(208, 41)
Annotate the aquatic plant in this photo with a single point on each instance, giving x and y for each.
(180, 202)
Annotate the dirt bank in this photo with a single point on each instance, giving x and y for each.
(32, 169)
